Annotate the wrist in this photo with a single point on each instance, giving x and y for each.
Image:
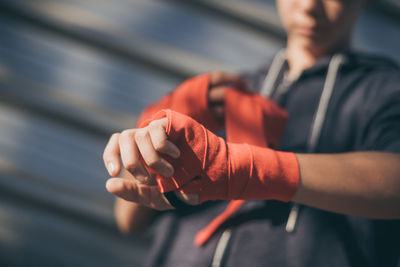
(216, 170)
(261, 173)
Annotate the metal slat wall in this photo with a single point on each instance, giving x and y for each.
(72, 72)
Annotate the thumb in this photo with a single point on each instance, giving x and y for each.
(123, 188)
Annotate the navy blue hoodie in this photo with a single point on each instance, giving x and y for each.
(363, 115)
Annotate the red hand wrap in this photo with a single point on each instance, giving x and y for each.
(224, 170)
(189, 98)
(253, 119)
(249, 118)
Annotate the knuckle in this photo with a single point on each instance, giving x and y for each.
(216, 77)
(153, 124)
(128, 187)
(156, 126)
(141, 135)
(129, 192)
(127, 134)
(217, 74)
(114, 136)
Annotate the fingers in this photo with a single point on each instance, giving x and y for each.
(152, 142)
(130, 156)
(217, 102)
(111, 155)
(217, 95)
(160, 141)
(145, 195)
(124, 188)
(150, 155)
(227, 79)
(138, 148)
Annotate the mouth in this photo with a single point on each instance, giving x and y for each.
(309, 30)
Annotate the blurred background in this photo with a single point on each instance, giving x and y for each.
(74, 71)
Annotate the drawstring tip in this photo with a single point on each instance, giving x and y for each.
(206, 233)
(201, 238)
(292, 219)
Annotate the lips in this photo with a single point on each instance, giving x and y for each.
(309, 30)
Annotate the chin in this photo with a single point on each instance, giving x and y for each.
(314, 43)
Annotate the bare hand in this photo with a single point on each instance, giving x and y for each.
(141, 150)
(219, 81)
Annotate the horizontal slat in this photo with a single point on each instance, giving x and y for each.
(32, 237)
(74, 112)
(59, 63)
(82, 25)
(68, 82)
(54, 209)
(255, 16)
(51, 196)
(68, 159)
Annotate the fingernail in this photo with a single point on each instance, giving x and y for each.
(111, 168)
(177, 154)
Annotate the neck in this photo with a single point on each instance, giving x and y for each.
(300, 57)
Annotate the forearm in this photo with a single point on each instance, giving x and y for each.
(132, 217)
(363, 184)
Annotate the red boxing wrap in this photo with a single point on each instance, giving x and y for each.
(253, 119)
(189, 98)
(214, 169)
(249, 118)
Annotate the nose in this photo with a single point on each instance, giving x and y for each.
(310, 6)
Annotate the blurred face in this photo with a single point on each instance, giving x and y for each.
(319, 25)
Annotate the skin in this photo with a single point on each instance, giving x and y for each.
(362, 184)
(316, 28)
